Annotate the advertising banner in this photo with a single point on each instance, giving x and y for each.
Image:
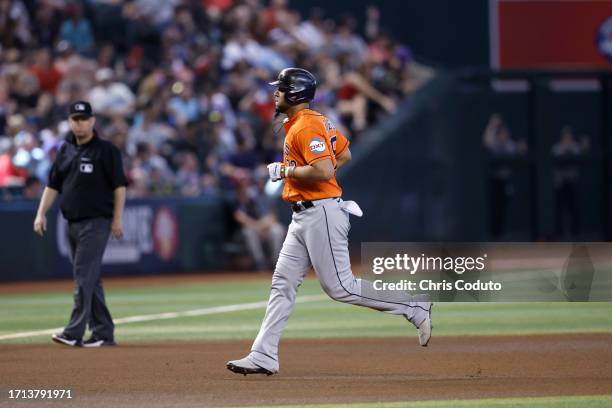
(550, 34)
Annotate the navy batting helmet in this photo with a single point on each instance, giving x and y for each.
(298, 84)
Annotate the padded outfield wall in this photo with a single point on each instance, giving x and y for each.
(160, 236)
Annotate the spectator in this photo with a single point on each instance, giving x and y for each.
(50, 153)
(502, 148)
(48, 76)
(10, 175)
(150, 174)
(255, 214)
(32, 189)
(184, 107)
(15, 23)
(77, 31)
(568, 154)
(111, 98)
(188, 175)
(241, 47)
(148, 128)
(46, 27)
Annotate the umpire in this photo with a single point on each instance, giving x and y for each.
(89, 174)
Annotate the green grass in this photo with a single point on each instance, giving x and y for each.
(319, 319)
(603, 401)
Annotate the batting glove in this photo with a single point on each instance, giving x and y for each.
(276, 171)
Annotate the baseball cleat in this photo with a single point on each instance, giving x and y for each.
(246, 366)
(96, 342)
(66, 340)
(424, 329)
(424, 326)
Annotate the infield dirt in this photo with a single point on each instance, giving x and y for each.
(190, 374)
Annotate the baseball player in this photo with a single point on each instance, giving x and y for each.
(318, 233)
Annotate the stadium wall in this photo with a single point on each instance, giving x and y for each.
(427, 170)
(160, 236)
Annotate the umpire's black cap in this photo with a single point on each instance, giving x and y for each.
(298, 84)
(81, 109)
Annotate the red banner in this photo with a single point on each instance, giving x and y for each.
(551, 34)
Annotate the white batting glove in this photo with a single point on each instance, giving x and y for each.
(275, 169)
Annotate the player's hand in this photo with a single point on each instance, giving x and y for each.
(117, 229)
(275, 169)
(40, 224)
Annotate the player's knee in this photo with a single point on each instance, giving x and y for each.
(283, 286)
(336, 292)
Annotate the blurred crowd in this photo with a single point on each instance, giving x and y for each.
(180, 86)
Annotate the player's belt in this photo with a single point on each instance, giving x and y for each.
(304, 205)
(301, 206)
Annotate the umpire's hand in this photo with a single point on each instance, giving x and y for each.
(40, 224)
(117, 229)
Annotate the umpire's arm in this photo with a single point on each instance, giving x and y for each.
(52, 190)
(119, 204)
(118, 182)
(47, 200)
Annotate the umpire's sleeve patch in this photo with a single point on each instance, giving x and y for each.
(317, 146)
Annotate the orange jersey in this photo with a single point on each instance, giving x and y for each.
(311, 137)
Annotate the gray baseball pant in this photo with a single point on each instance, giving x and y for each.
(318, 237)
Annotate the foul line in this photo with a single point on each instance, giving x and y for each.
(171, 315)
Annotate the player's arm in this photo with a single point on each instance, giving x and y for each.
(313, 145)
(343, 158)
(341, 149)
(320, 170)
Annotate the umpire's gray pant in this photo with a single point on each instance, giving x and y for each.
(88, 240)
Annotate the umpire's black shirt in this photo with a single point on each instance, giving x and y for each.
(87, 176)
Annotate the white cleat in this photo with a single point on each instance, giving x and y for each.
(424, 329)
(424, 326)
(246, 366)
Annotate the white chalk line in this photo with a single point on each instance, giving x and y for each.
(170, 315)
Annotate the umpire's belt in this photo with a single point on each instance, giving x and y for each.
(304, 205)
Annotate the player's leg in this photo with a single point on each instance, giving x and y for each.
(292, 265)
(327, 237)
(276, 235)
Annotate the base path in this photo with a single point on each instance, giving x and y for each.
(187, 374)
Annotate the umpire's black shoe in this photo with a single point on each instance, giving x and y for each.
(66, 340)
(97, 342)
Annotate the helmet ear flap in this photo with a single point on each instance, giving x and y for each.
(290, 97)
(295, 96)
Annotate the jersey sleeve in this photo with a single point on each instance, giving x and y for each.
(56, 179)
(313, 144)
(341, 143)
(114, 168)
